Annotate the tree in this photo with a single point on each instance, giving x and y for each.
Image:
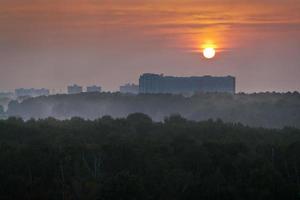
(137, 158)
(1, 110)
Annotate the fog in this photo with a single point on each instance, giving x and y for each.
(271, 110)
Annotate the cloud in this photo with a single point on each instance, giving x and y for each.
(186, 22)
(45, 35)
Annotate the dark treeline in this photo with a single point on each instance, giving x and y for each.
(135, 158)
(270, 110)
(1, 110)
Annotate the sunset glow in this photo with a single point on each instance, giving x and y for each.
(85, 37)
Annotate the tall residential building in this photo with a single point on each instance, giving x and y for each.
(93, 88)
(74, 89)
(129, 88)
(154, 83)
(31, 92)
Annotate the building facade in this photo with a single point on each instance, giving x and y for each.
(129, 88)
(74, 89)
(93, 88)
(9, 95)
(155, 83)
(32, 92)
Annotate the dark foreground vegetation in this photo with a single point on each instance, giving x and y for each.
(269, 110)
(135, 158)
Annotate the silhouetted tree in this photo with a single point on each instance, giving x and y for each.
(137, 158)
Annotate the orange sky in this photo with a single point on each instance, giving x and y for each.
(51, 43)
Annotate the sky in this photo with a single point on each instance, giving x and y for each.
(55, 43)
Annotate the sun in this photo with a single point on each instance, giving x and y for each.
(209, 52)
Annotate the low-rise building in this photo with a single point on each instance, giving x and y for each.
(31, 92)
(9, 95)
(129, 88)
(93, 88)
(74, 89)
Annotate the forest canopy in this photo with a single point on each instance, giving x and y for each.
(137, 158)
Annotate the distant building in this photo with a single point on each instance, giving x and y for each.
(74, 89)
(154, 83)
(31, 92)
(93, 88)
(9, 95)
(129, 88)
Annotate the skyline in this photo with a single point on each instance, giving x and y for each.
(109, 43)
(170, 84)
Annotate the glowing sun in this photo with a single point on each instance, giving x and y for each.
(209, 52)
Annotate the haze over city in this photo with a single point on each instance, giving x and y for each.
(56, 43)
